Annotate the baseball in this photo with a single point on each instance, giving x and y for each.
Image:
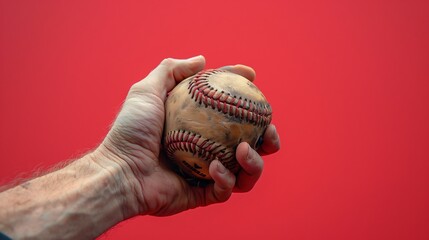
(207, 116)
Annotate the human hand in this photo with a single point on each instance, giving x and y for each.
(134, 144)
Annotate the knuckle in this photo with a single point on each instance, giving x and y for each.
(135, 87)
(167, 62)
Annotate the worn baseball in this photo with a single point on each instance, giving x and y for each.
(207, 116)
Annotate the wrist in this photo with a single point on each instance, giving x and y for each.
(119, 175)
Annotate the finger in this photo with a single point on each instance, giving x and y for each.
(242, 70)
(251, 167)
(182, 69)
(271, 141)
(224, 182)
(170, 71)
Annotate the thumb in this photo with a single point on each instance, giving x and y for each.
(169, 72)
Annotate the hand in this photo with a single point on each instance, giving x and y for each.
(134, 143)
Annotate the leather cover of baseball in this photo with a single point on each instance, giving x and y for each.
(207, 116)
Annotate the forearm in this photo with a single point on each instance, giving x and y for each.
(82, 201)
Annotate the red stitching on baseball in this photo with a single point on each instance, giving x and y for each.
(182, 140)
(200, 90)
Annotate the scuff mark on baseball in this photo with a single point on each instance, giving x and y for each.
(208, 115)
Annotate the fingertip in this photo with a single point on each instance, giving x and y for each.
(242, 151)
(198, 58)
(251, 168)
(271, 141)
(248, 72)
(224, 182)
(221, 175)
(197, 63)
(242, 70)
(170, 71)
(249, 159)
(185, 68)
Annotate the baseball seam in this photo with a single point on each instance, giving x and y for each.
(202, 92)
(182, 140)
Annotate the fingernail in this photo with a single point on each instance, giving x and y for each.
(194, 58)
(226, 68)
(221, 168)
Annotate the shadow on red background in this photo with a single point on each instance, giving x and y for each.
(348, 82)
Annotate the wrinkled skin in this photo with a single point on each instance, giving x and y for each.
(135, 142)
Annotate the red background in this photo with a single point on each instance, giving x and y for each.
(348, 82)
